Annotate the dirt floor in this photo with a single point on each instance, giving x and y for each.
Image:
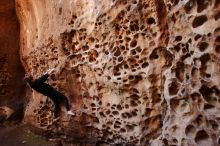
(20, 135)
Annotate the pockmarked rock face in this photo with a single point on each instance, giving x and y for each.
(145, 71)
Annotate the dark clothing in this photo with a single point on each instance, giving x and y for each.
(41, 87)
(45, 89)
(58, 98)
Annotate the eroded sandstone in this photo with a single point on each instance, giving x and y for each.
(146, 72)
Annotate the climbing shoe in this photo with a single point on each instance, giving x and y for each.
(70, 113)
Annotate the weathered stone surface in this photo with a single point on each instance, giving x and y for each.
(11, 71)
(5, 113)
(146, 71)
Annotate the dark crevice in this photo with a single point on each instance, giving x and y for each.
(11, 70)
(162, 22)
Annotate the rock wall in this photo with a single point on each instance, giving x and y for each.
(145, 71)
(11, 71)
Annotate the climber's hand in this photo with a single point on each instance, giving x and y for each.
(49, 71)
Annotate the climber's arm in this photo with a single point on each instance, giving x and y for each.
(41, 79)
(44, 77)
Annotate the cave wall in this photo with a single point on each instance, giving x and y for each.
(146, 72)
(11, 70)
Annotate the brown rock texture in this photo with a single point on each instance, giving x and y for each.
(11, 71)
(146, 71)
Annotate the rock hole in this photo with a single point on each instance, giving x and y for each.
(217, 40)
(205, 58)
(199, 120)
(217, 49)
(91, 39)
(120, 59)
(173, 88)
(119, 107)
(138, 49)
(197, 37)
(60, 11)
(165, 142)
(217, 16)
(133, 52)
(154, 55)
(201, 5)
(115, 113)
(117, 53)
(177, 48)
(198, 21)
(127, 39)
(178, 38)
(93, 105)
(129, 128)
(134, 27)
(102, 114)
(131, 77)
(122, 130)
(148, 112)
(151, 21)
(201, 137)
(213, 124)
(190, 131)
(189, 6)
(208, 106)
(133, 43)
(108, 112)
(133, 103)
(174, 103)
(203, 46)
(134, 2)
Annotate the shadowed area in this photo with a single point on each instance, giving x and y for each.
(11, 70)
(16, 135)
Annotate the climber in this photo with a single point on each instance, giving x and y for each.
(47, 90)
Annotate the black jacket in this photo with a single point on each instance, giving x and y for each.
(41, 87)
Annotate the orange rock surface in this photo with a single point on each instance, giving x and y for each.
(146, 71)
